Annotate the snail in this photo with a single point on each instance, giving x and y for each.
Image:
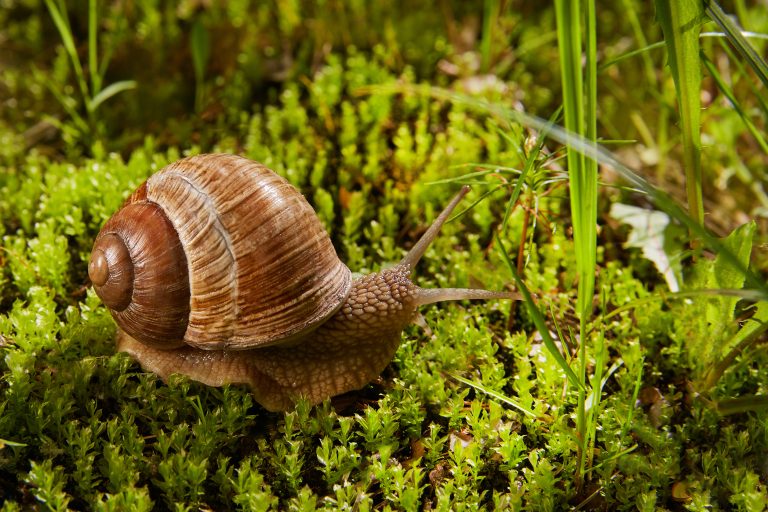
(219, 269)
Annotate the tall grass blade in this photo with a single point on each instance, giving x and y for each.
(579, 114)
(530, 162)
(580, 107)
(93, 57)
(200, 47)
(680, 20)
(756, 183)
(745, 294)
(644, 50)
(631, 7)
(592, 404)
(497, 396)
(735, 36)
(739, 66)
(62, 25)
(588, 244)
(490, 13)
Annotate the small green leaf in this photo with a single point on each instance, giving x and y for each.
(109, 91)
(6, 442)
(739, 242)
(497, 396)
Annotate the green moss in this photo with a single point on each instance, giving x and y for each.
(84, 428)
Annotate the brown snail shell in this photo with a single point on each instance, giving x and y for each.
(217, 251)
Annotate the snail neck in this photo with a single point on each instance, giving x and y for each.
(384, 301)
(382, 304)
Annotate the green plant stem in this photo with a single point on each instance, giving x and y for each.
(524, 233)
(497, 396)
(597, 392)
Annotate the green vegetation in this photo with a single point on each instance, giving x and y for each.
(646, 389)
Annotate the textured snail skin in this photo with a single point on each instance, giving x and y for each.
(343, 354)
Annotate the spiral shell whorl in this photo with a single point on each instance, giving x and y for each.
(139, 270)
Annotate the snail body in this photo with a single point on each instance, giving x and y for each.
(218, 269)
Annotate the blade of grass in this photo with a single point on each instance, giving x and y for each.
(660, 44)
(6, 442)
(581, 120)
(530, 161)
(750, 295)
(538, 319)
(485, 170)
(733, 32)
(490, 12)
(757, 134)
(589, 239)
(756, 92)
(497, 396)
(200, 47)
(568, 15)
(110, 91)
(93, 61)
(475, 202)
(742, 404)
(626, 55)
(614, 457)
(753, 182)
(592, 405)
(680, 21)
(630, 8)
(62, 25)
(579, 106)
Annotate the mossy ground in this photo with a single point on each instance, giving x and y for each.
(84, 428)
